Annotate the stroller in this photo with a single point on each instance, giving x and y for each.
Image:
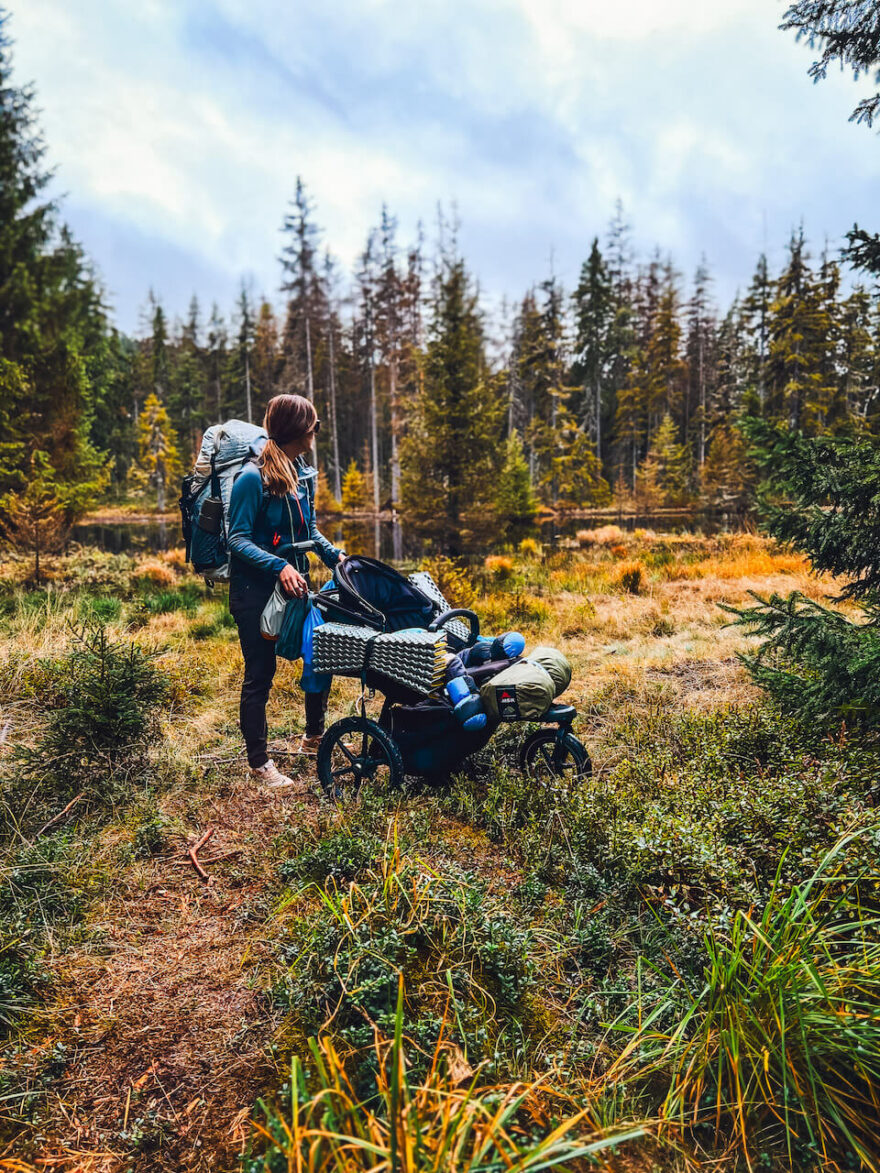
(417, 732)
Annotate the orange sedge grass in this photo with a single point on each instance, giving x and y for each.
(440, 1125)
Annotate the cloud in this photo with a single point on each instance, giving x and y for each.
(186, 123)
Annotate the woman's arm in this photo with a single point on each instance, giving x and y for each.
(244, 506)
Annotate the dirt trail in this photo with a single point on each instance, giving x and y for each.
(167, 1028)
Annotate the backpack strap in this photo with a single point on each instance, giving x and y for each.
(215, 479)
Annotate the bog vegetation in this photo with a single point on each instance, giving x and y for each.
(674, 961)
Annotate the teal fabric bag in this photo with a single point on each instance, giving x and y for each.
(289, 643)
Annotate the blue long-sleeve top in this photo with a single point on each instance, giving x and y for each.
(260, 532)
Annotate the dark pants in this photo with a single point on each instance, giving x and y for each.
(260, 663)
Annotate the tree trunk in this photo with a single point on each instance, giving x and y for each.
(395, 429)
(247, 387)
(374, 436)
(334, 427)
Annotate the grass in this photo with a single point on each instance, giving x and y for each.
(443, 1121)
(780, 1041)
(434, 975)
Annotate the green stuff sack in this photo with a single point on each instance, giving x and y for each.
(522, 692)
(553, 662)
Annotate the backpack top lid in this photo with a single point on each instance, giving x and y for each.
(229, 443)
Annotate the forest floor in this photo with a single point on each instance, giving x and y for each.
(156, 1023)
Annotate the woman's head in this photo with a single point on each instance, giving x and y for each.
(290, 424)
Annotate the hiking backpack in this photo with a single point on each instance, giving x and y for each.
(205, 494)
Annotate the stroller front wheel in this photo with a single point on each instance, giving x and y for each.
(357, 750)
(551, 756)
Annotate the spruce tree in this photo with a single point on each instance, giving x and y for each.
(515, 504)
(823, 497)
(34, 520)
(53, 329)
(594, 309)
(800, 387)
(158, 457)
(452, 447)
(187, 394)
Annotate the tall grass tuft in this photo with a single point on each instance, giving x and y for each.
(439, 1123)
(782, 1041)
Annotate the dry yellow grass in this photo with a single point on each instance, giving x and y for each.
(667, 646)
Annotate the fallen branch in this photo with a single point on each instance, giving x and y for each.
(194, 849)
(212, 858)
(60, 815)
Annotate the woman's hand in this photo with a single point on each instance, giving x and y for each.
(293, 583)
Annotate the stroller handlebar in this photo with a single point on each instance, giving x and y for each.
(458, 613)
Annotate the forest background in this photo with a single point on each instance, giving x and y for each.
(627, 388)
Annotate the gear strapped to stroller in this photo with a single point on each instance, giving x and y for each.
(445, 688)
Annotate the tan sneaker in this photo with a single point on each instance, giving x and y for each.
(308, 746)
(272, 778)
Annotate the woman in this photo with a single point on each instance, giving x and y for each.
(272, 506)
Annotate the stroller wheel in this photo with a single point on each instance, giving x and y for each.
(551, 756)
(356, 750)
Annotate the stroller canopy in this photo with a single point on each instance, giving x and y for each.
(368, 581)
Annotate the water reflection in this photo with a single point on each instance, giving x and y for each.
(389, 539)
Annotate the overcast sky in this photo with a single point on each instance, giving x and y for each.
(178, 128)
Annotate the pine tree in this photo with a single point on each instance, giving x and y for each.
(515, 504)
(700, 351)
(800, 388)
(594, 310)
(265, 359)
(671, 459)
(574, 467)
(216, 366)
(756, 318)
(300, 281)
(158, 457)
(354, 489)
(187, 394)
(727, 477)
(52, 319)
(822, 496)
(34, 519)
(331, 332)
(665, 368)
(452, 447)
(855, 393)
(367, 285)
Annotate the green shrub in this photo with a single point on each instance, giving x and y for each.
(459, 952)
(103, 717)
(342, 855)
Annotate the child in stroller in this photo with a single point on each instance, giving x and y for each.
(421, 731)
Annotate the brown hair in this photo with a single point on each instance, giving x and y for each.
(288, 417)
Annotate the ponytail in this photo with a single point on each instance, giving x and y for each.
(287, 418)
(277, 470)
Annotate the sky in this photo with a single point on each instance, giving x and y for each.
(177, 129)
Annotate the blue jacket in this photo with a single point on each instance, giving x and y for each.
(260, 531)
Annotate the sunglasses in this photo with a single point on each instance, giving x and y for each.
(316, 426)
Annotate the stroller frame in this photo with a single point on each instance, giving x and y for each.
(359, 749)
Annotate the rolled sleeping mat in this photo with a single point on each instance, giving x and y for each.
(522, 692)
(553, 662)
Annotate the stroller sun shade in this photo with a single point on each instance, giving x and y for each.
(374, 590)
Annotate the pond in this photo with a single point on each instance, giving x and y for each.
(390, 540)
